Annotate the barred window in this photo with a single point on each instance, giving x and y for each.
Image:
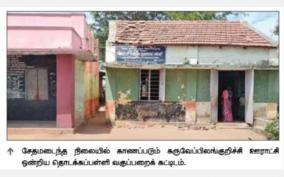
(149, 84)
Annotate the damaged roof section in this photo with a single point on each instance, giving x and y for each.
(198, 32)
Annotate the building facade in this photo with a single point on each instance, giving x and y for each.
(176, 71)
(52, 68)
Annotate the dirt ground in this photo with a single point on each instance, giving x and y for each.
(96, 129)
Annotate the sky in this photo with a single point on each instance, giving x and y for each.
(264, 22)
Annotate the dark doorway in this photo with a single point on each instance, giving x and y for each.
(31, 87)
(231, 97)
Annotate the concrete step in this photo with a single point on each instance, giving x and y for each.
(12, 131)
(259, 129)
(232, 125)
(260, 122)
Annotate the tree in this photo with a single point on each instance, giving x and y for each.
(101, 19)
(276, 30)
(199, 15)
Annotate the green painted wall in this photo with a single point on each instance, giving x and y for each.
(187, 85)
(203, 85)
(79, 90)
(266, 86)
(125, 81)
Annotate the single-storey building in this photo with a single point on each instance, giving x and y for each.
(52, 68)
(176, 71)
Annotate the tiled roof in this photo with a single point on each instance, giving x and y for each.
(200, 32)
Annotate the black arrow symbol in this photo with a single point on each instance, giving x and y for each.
(10, 151)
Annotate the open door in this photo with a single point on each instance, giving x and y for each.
(214, 79)
(249, 82)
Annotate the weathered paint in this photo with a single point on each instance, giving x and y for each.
(190, 111)
(265, 110)
(86, 90)
(68, 35)
(158, 111)
(266, 86)
(110, 111)
(184, 85)
(210, 55)
(272, 110)
(122, 84)
(91, 90)
(203, 109)
(221, 55)
(180, 54)
(65, 91)
(233, 55)
(193, 86)
(203, 85)
(79, 92)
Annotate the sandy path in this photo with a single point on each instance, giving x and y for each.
(97, 130)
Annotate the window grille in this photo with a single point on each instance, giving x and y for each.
(149, 84)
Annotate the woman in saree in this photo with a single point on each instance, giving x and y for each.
(227, 106)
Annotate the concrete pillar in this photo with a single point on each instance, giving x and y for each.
(190, 111)
(271, 111)
(65, 91)
(91, 88)
(110, 111)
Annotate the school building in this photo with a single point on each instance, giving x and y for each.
(175, 71)
(52, 69)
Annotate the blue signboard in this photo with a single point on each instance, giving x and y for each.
(140, 55)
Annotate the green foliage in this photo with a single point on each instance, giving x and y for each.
(276, 30)
(272, 130)
(198, 15)
(101, 19)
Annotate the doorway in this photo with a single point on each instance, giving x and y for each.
(31, 88)
(231, 96)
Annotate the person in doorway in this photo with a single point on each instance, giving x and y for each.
(227, 105)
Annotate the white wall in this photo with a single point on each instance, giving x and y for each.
(216, 55)
(110, 53)
(212, 55)
(179, 54)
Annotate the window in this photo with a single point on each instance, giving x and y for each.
(149, 84)
(36, 84)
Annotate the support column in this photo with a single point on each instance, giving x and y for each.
(190, 111)
(91, 88)
(111, 80)
(65, 91)
(110, 111)
(214, 86)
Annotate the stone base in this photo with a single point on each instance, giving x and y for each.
(157, 111)
(265, 110)
(190, 115)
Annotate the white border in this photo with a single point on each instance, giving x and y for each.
(216, 162)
